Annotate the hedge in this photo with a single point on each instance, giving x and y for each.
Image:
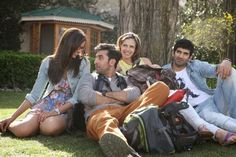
(18, 70)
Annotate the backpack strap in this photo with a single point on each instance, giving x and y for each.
(121, 81)
(137, 62)
(102, 80)
(99, 83)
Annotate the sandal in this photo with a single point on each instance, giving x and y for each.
(228, 139)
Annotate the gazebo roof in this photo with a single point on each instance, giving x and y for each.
(65, 14)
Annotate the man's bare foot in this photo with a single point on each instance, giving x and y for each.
(225, 137)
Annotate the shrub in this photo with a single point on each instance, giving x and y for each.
(18, 70)
(210, 36)
(91, 59)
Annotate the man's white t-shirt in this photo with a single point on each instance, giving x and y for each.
(197, 96)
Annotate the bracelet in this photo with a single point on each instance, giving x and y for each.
(57, 111)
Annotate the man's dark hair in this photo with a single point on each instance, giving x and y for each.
(185, 44)
(112, 53)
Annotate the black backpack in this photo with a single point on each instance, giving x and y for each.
(183, 135)
(159, 130)
(76, 120)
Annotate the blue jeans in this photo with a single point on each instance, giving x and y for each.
(220, 109)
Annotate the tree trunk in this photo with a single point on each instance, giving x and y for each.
(230, 7)
(155, 23)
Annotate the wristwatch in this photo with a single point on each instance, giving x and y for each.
(104, 92)
(57, 111)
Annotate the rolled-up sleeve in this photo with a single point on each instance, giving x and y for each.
(85, 66)
(206, 69)
(133, 92)
(84, 69)
(87, 95)
(40, 83)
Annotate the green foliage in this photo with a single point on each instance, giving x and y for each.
(210, 29)
(204, 54)
(91, 59)
(18, 70)
(10, 29)
(211, 82)
(209, 36)
(10, 15)
(109, 36)
(201, 9)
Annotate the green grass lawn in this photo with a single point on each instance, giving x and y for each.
(77, 144)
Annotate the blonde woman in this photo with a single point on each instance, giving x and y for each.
(129, 45)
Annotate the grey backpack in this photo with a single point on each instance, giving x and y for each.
(159, 130)
(145, 131)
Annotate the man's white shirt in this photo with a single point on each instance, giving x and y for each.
(197, 95)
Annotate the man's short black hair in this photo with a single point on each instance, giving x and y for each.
(112, 52)
(185, 44)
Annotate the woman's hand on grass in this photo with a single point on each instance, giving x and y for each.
(5, 123)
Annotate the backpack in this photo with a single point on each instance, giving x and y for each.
(143, 75)
(76, 120)
(159, 130)
(145, 131)
(183, 135)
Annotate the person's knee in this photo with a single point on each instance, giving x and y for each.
(23, 131)
(159, 86)
(230, 80)
(51, 127)
(204, 115)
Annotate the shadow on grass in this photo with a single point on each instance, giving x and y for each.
(80, 146)
(76, 144)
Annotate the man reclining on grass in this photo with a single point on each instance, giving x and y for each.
(216, 106)
(106, 108)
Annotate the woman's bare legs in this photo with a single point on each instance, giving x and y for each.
(54, 125)
(29, 126)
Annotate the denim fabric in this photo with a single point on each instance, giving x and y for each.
(198, 71)
(42, 80)
(193, 118)
(220, 108)
(209, 112)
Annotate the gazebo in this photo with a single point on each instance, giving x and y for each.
(42, 28)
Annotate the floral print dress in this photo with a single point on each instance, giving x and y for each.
(55, 99)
